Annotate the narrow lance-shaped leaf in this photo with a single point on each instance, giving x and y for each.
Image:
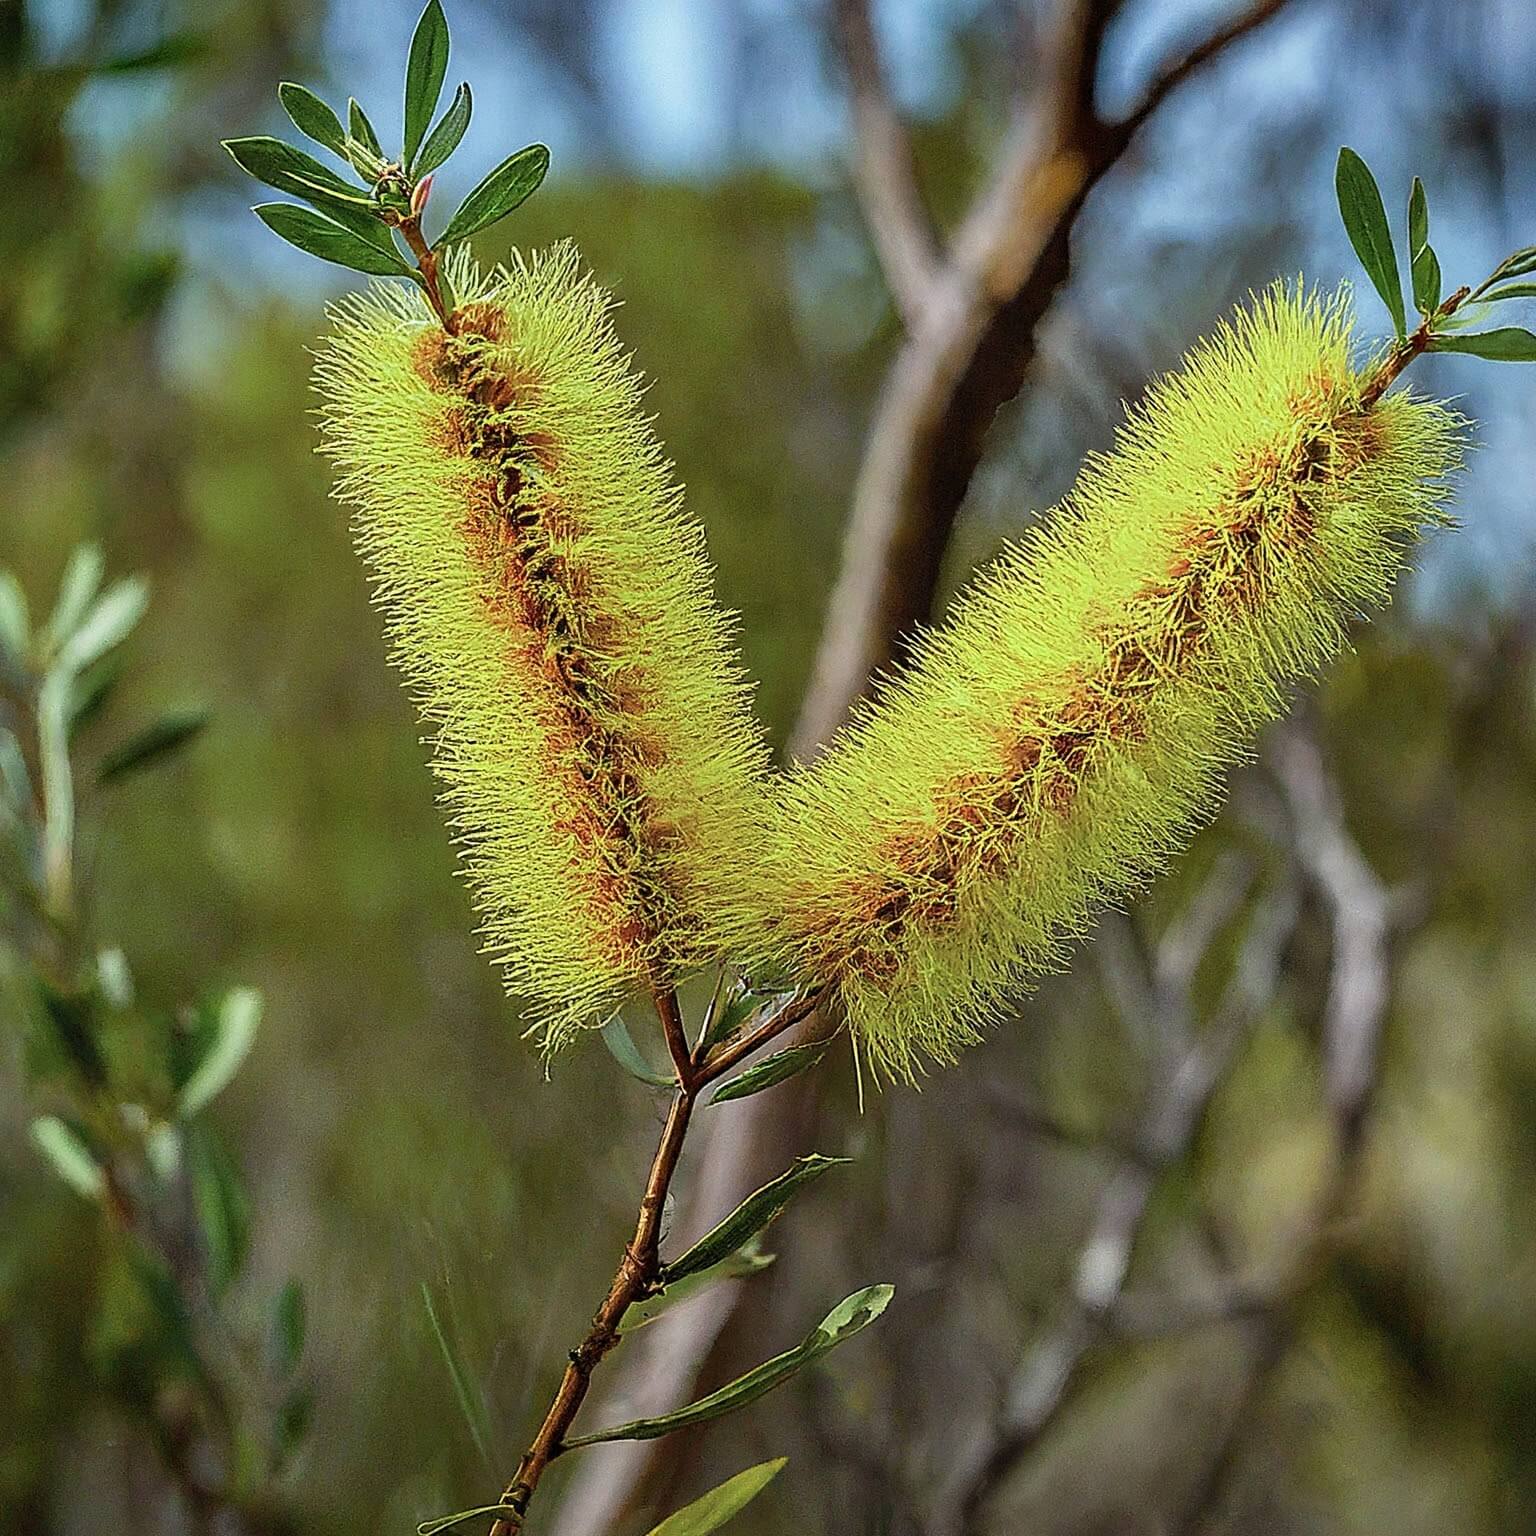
(71, 1159)
(1365, 221)
(80, 583)
(621, 1045)
(720, 1504)
(444, 138)
(290, 170)
(839, 1325)
(235, 1025)
(1511, 291)
(751, 1216)
(771, 1071)
(316, 235)
(1510, 344)
(111, 620)
(158, 740)
(470, 1402)
(361, 129)
(1426, 280)
(223, 1207)
(15, 625)
(512, 182)
(1418, 218)
(746, 1261)
(312, 117)
(424, 72)
(286, 1341)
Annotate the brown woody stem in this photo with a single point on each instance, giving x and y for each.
(640, 1270)
(426, 264)
(1406, 350)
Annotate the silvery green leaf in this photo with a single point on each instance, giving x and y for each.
(771, 1071)
(71, 1158)
(235, 1024)
(746, 1261)
(751, 1216)
(15, 624)
(841, 1323)
(80, 583)
(621, 1046)
(720, 1504)
(109, 622)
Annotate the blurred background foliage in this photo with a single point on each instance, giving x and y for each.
(154, 396)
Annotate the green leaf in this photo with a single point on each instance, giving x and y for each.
(234, 1030)
(471, 1403)
(1510, 344)
(1426, 280)
(424, 72)
(80, 583)
(621, 1046)
(294, 1417)
(721, 1504)
(447, 1522)
(1418, 219)
(290, 170)
(751, 1216)
(359, 128)
(1365, 221)
(1517, 264)
(1511, 291)
(312, 117)
(74, 1030)
(318, 236)
(15, 624)
(70, 1156)
(748, 1260)
(771, 1071)
(110, 621)
(839, 1325)
(222, 1205)
(286, 1342)
(158, 740)
(444, 138)
(114, 980)
(514, 180)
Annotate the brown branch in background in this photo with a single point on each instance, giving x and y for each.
(885, 172)
(972, 313)
(1190, 1064)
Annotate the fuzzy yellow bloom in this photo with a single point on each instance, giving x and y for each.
(551, 609)
(1066, 729)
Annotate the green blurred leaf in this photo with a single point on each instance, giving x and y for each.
(114, 980)
(108, 623)
(359, 128)
(720, 1504)
(170, 52)
(71, 1158)
(15, 624)
(447, 1522)
(290, 170)
(842, 1323)
(158, 740)
(471, 1403)
(93, 688)
(80, 583)
(750, 1217)
(294, 1416)
(234, 1024)
(424, 72)
(746, 1261)
(621, 1046)
(73, 1029)
(444, 138)
(318, 236)
(512, 182)
(222, 1205)
(286, 1341)
(771, 1071)
(1511, 344)
(1365, 221)
(312, 117)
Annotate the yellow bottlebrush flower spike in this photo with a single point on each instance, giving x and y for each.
(1065, 729)
(552, 611)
